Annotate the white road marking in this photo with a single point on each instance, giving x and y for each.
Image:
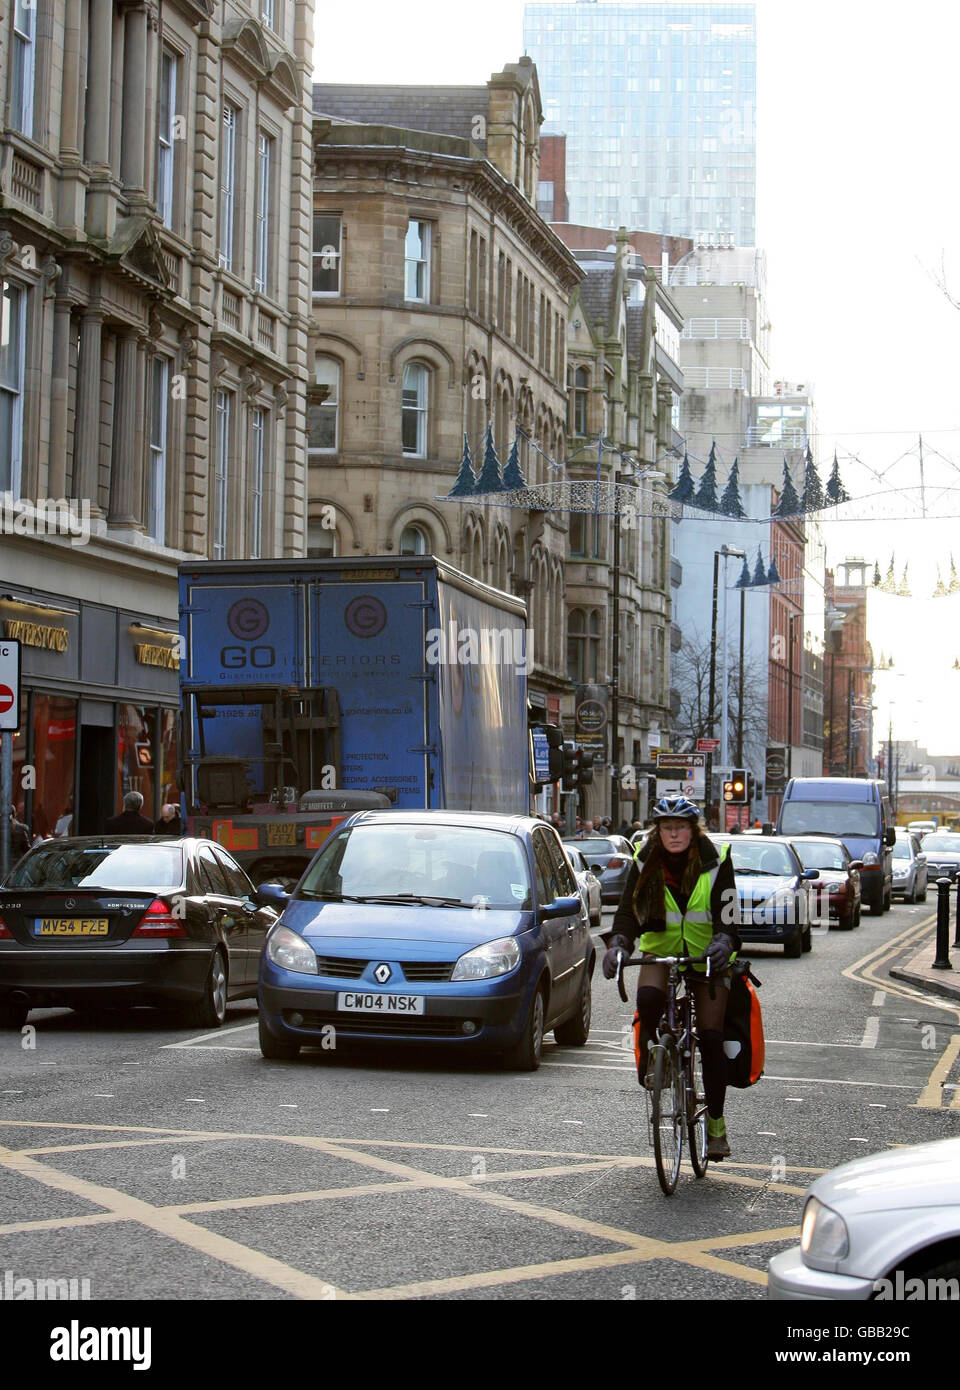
(871, 1032)
(477, 1115)
(798, 1099)
(103, 1095)
(287, 1105)
(202, 1037)
(375, 1111)
(196, 1100)
(879, 998)
(571, 1122)
(793, 1080)
(767, 1133)
(11, 1093)
(858, 1141)
(875, 1105)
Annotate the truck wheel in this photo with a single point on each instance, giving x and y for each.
(793, 946)
(273, 1049)
(525, 1054)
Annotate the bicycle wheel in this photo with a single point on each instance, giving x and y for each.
(696, 1111)
(667, 1111)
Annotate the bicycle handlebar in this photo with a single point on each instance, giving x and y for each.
(623, 964)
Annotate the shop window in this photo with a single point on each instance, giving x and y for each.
(54, 761)
(136, 751)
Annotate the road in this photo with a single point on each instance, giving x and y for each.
(156, 1162)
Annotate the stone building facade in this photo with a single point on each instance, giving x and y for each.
(155, 249)
(439, 308)
(623, 382)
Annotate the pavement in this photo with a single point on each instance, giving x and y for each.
(917, 968)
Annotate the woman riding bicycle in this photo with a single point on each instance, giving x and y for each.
(680, 898)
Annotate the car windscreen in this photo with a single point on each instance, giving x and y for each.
(594, 847)
(460, 863)
(818, 856)
(761, 857)
(902, 850)
(99, 866)
(830, 818)
(947, 842)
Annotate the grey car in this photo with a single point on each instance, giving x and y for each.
(587, 881)
(942, 851)
(909, 870)
(610, 858)
(872, 1226)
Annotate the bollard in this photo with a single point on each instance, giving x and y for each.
(942, 961)
(956, 934)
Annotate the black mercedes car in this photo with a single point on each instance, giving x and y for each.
(121, 920)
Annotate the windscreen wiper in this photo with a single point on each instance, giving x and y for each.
(331, 897)
(426, 900)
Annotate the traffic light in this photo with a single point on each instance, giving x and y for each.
(751, 787)
(572, 765)
(555, 743)
(586, 767)
(738, 785)
(728, 792)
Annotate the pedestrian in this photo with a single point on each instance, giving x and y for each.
(169, 822)
(626, 829)
(65, 824)
(130, 821)
(585, 830)
(19, 838)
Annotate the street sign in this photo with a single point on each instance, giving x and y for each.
(9, 685)
(776, 770)
(683, 773)
(541, 756)
(707, 745)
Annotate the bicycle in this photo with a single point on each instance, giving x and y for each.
(676, 1100)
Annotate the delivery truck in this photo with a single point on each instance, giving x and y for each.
(314, 688)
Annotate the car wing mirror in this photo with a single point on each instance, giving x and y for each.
(562, 907)
(890, 836)
(271, 895)
(811, 875)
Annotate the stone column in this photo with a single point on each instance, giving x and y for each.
(59, 390)
(150, 101)
(86, 449)
(126, 470)
(134, 97)
(70, 93)
(100, 40)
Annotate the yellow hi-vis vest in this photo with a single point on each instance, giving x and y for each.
(689, 933)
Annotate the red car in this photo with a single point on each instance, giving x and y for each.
(838, 887)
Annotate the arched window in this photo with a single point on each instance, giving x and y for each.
(322, 540)
(323, 409)
(413, 541)
(416, 396)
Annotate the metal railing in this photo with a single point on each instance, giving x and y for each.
(715, 379)
(763, 437)
(716, 328)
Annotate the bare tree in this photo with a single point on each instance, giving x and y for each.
(939, 278)
(691, 680)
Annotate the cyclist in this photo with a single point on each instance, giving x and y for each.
(680, 899)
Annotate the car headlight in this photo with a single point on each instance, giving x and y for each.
(836, 887)
(823, 1234)
(485, 962)
(782, 900)
(289, 950)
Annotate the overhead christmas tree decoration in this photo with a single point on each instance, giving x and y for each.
(744, 581)
(707, 491)
(876, 575)
(812, 487)
(512, 473)
(730, 503)
(941, 590)
(773, 574)
(904, 589)
(490, 479)
(759, 573)
(466, 483)
(789, 504)
(683, 490)
(836, 492)
(954, 581)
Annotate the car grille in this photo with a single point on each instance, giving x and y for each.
(410, 1025)
(419, 971)
(341, 967)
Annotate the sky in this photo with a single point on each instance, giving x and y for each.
(858, 205)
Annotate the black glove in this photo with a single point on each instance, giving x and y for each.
(619, 946)
(719, 951)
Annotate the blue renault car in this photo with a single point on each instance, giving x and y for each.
(777, 904)
(430, 927)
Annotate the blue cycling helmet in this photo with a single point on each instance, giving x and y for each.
(674, 808)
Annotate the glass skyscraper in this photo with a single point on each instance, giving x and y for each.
(658, 105)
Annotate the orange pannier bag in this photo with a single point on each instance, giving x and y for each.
(743, 1029)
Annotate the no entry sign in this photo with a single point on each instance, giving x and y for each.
(9, 685)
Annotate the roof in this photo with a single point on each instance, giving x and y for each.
(635, 314)
(441, 110)
(596, 293)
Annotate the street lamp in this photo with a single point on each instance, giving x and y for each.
(725, 551)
